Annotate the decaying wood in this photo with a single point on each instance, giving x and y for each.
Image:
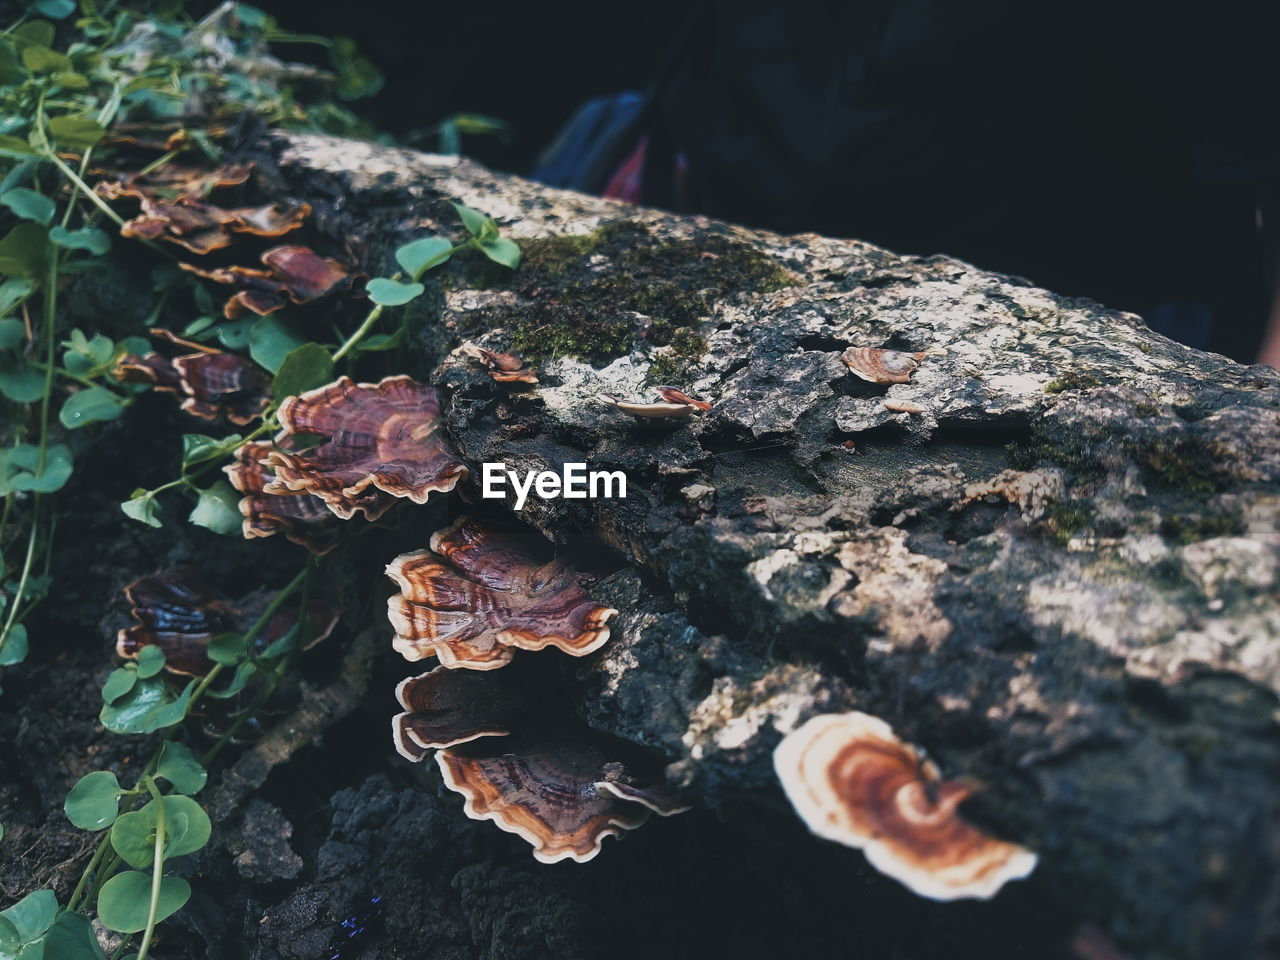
(1050, 558)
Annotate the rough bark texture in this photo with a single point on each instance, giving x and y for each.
(1059, 576)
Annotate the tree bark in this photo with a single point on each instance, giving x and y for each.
(1050, 558)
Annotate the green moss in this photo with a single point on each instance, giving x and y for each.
(677, 363)
(598, 296)
(1072, 380)
(1178, 464)
(1190, 529)
(1065, 520)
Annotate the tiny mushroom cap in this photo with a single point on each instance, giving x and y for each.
(884, 366)
(563, 793)
(652, 411)
(503, 367)
(676, 395)
(483, 590)
(384, 441)
(853, 781)
(301, 517)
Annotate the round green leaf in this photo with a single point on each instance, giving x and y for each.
(91, 405)
(10, 941)
(118, 684)
(143, 508)
(90, 239)
(12, 332)
(307, 367)
(478, 224)
(12, 292)
(187, 830)
(196, 447)
(125, 900)
(29, 204)
(180, 767)
(421, 255)
(15, 646)
(33, 914)
(19, 382)
(392, 293)
(55, 9)
(234, 334)
(150, 661)
(76, 131)
(71, 938)
(23, 471)
(226, 648)
(218, 509)
(24, 250)
(501, 250)
(148, 707)
(271, 340)
(94, 802)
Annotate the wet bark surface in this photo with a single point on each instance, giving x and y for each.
(1050, 559)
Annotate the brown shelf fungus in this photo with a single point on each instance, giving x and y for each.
(289, 274)
(179, 610)
(672, 403)
(853, 781)
(502, 367)
(884, 366)
(302, 518)
(446, 708)
(562, 793)
(384, 441)
(483, 591)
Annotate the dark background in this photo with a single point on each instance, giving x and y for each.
(530, 64)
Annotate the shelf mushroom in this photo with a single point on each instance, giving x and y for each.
(554, 782)
(853, 781)
(884, 366)
(210, 382)
(484, 590)
(302, 518)
(383, 441)
(180, 611)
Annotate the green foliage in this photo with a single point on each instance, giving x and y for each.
(149, 706)
(180, 767)
(218, 509)
(307, 367)
(392, 293)
(91, 405)
(94, 802)
(31, 917)
(187, 830)
(142, 506)
(420, 256)
(124, 901)
(20, 469)
(271, 339)
(29, 205)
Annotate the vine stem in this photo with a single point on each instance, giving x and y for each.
(157, 871)
(360, 333)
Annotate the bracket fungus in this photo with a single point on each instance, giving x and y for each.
(552, 781)
(301, 517)
(179, 610)
(210, 382)
(502, 367)
(482, 591)
(672, 403)
(289, 274)
(173, 208)
(853, 781)
(383, 441)
(563, 794)
(884, 366)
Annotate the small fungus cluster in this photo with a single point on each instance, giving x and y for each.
(382, 442)
(180, 611)
(672, 402)
(174, 208)
(853, 781)
(502, 367)
(481, 592)
(210, 382)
